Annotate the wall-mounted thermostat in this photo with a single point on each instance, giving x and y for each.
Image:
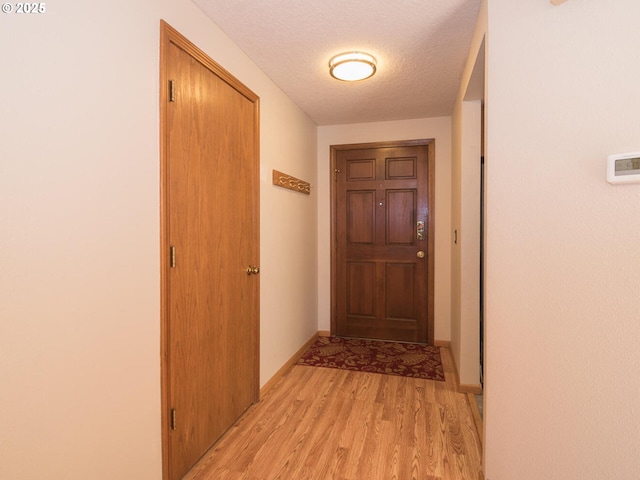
(623, 168)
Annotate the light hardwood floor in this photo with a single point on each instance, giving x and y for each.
(322, 424)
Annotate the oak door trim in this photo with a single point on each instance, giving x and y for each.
(430, 144)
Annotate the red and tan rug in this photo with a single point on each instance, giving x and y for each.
(390, 358)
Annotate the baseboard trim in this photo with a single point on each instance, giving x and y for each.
(324, 333)
(473, 389)
(462, 387)
(292, 361)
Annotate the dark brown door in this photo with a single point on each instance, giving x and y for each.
(210, 238)
(383, 225)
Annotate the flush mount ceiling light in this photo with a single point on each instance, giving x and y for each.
(352, 66)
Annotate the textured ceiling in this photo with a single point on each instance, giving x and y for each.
(421, 47)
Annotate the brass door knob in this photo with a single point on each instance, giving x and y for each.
(253, 270)
(420, 254)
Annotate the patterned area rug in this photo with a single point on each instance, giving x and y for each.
(390, 358)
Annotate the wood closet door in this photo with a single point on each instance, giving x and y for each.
(210, 223)
(383, 287)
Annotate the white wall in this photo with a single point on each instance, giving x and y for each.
(79, 216)
(436, 128)
(563, 245)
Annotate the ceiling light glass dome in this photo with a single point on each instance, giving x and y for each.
(352, 66)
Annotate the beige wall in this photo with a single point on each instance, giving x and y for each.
(79, 216)
(436, 128)
(465, 270)
(563, 246)
(465, 189)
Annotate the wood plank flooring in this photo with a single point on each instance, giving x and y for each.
(321, 424)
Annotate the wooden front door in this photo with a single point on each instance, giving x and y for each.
(210, 178)
(383, 241)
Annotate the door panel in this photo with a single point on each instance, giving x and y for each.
(361, 169)
(400, 217)
(210, 304)
(361, 219)
(361, 288)
(381, 287)
(400, 168)
(401, 290)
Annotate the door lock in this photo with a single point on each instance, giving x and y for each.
(420, 254)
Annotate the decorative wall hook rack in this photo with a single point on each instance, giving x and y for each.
(292, 183)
